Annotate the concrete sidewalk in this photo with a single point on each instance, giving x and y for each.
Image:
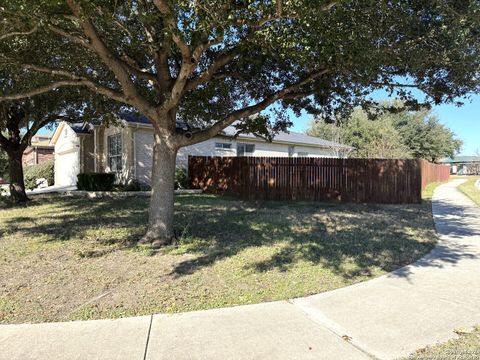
(386, 318)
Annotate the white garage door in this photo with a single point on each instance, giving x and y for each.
(67, 167)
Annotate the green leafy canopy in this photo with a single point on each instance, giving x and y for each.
(212, 63)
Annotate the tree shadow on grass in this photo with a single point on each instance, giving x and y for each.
(348, 239)
(57, 218)
(351, 240)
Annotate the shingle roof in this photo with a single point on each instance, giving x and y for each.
(81, 127)
(461, 159)
(290, 137)
(140, 119)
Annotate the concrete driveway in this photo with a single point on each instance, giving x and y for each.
(383, 318)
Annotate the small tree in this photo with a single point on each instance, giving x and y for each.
(425, 137)
(214, 62)
(369, 138)
(393, 132)
(21, 119)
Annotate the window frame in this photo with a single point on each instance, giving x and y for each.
(117, 156)
(291, 150)
(245, 152)
(223, 146)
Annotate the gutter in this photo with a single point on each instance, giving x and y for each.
(281, 142)
(150, 126)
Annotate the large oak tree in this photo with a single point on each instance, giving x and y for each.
(214, 62)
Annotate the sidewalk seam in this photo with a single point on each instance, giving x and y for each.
(311, 316)
(148, 337)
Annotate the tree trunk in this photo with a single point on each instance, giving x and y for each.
(160, 229)
(17, 184)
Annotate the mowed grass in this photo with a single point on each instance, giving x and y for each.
(68, 258)
(427, 193)
(469, 188)
(465, 346)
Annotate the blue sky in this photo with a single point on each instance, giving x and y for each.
(464, 121)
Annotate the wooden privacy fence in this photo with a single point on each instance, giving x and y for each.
(346, 180)
(433, 173)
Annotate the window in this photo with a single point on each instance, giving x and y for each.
(302, 154)
(115, 153)
(245, 149)
(291, 151)
(223, 146)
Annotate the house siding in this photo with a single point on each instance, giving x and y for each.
(137, 152)
(143, 154)
(87, 153)
(281, 150)
(205, 148)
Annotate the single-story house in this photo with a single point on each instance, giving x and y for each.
(39, 150)
(126, 149)
(463, 165)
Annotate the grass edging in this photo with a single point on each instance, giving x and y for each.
(470, 190)
(465, 346)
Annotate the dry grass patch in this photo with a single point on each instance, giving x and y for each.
(466, 346)
(67, 258)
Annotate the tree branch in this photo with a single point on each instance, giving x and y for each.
(38, 91)
(73, 80)
(189, 59)
(171, 23)
(394, 85)
(19, 33)
(207, 75)
(115, 64)
(37, 125)
(74, 38)
(134, 69)
(213, 130)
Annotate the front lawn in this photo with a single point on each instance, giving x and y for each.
(69, 258)
(469, 189)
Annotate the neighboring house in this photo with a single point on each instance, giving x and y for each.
(38, 151)
(464, 165)
(127, 149)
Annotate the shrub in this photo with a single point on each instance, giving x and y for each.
(95, 181)
(133, 185)
(181, 179)
(33, 172)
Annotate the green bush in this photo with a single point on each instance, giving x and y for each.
(33, 172)
(181, 179)
(95, 181)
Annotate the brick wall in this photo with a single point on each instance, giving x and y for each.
(35, 155)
